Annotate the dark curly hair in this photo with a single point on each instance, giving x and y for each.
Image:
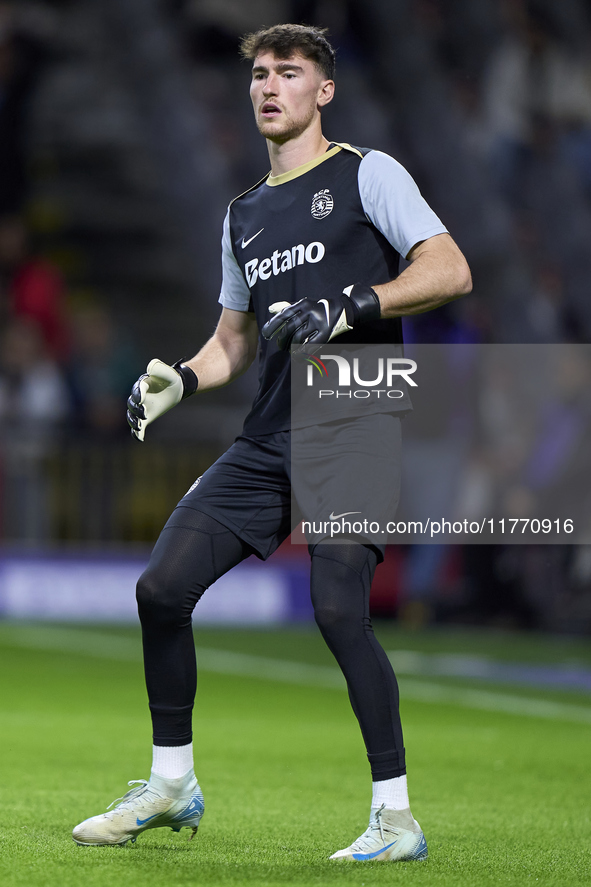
(287, 40)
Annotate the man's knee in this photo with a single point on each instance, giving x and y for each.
(331, 580)
(162, 601)
(147, 595)
(341, 576)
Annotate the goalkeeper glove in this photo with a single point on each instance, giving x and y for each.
(156, 392)
(309, 322)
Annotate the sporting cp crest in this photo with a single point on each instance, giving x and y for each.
(322, 204)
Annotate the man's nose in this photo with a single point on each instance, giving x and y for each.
(270, 87)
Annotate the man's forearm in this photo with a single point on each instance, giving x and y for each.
(437, 275)
(221, 360)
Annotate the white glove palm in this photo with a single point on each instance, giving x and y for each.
(157, 391)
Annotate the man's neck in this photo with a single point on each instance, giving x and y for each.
(296, 152)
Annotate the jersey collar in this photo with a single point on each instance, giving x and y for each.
(273, 181)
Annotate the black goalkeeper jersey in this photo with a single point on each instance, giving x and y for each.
(341, 219)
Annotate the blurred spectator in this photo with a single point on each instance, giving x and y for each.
(33, 404)
(32, 285)
(101, 371)
(33, 394)
(558, 465)
(534, 79)
(550, 317)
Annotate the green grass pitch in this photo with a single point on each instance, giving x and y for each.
(504, 797)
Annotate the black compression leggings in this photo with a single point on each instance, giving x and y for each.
(340, 582)
(192, 552)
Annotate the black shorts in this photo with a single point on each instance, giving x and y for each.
(262, 487)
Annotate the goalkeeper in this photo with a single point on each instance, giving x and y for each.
(309, 254)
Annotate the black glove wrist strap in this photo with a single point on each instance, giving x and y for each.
(189, 377)
(365, 303)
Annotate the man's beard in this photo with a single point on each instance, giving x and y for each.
(293, 129)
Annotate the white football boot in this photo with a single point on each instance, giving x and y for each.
(392, 835)
(159, 803)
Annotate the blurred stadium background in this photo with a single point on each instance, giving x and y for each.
(125, 129)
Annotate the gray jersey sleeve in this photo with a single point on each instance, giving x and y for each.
(393, 203)
(235, 293)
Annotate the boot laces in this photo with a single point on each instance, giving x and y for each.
(121, 805)
(368, 837)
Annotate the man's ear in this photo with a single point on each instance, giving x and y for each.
(325, 93)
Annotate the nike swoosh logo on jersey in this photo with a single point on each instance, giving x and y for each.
(344, 514)
(250, 239)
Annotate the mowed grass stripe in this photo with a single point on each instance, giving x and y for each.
(110, 646)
